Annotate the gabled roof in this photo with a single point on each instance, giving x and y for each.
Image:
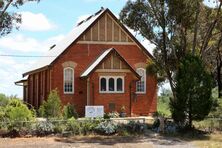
(59, 48)
(101, 58)
(73, 36)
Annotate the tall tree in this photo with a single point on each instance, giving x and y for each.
(212, 54)
(10, 19)
(193, 91)
(173, 26)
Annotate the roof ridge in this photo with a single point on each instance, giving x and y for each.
(88, 18)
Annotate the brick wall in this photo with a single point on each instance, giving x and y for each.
(84, 55)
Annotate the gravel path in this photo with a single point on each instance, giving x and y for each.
(94, 142)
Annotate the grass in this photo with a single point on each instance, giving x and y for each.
(209, 124)
(163, 105)
(212, 141)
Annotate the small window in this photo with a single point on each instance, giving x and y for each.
(119, 84)
(68, 80)
(103, 84)
(111, 84)
(141, 85)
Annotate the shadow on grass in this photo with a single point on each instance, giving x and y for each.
(102, 140)
(148, 137)
(189, 135)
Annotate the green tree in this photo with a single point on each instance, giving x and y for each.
(193, 92)
(10, 19)
(176, 27)
(51, 108)
(69, 111)
(3, 100)
(17, 114)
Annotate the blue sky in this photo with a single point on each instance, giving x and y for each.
(43, 25)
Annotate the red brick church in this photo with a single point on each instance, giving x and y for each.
(98, 63)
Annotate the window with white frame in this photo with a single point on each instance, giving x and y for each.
(141, 85)
(68, 80)
(111, 84)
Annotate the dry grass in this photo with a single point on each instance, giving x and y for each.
(212, 141)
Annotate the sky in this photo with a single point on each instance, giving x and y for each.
(43, 24)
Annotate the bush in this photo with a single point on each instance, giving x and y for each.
(193, 99)
(44, 128)
(2, 118)
(18, 115)
(52, 107)
(113, 115)
(106, 127)
(3, 100)
(73, 126)
(122, 131)
(106, 116)
(69, 111)
(135, 127)
(89, 125)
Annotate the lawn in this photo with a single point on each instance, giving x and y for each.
(210, 141)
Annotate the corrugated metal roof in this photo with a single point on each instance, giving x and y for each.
(60, 47)
(53, 53)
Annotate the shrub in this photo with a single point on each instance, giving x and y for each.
(106, 127)
(44, 128)
(193, 92)
(73, 126)
(122, 130)
(59, 127)
(89, 125)
(135, 127)
(106, 116)
(18, 115)
(2, 118)
(113, 115)
(3, 100)
(69, 111)
(52, 107)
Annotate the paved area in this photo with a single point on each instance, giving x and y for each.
(94, 142)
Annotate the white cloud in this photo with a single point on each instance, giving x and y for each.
(10, 71)
(11, 68)
(35, 22)
(21, 43)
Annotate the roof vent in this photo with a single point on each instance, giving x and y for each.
(88, 18)
(52, 46)
(80, 22)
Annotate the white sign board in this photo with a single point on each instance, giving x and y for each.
(94, 111)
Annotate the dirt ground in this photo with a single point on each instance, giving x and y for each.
(94, 142)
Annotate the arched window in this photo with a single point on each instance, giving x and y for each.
(103, 84)
(141, 85)
(111, 84)
(68, 80)
(119, 84)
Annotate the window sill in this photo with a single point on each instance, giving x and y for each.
(68, 93)
(109, 92)
(140, 93)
